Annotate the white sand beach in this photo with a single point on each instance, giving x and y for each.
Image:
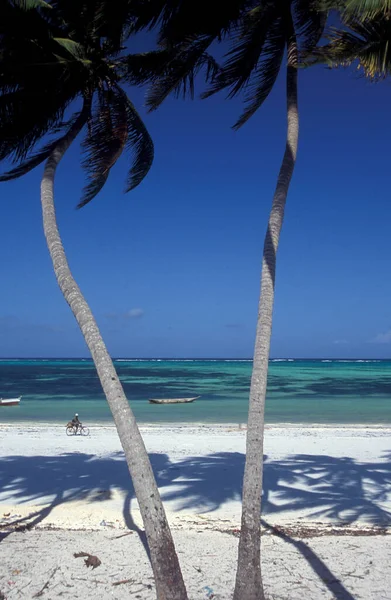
(326, 489)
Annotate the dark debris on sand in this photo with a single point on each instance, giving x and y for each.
(90, 561)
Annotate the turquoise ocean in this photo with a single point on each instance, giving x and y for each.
(299, 391)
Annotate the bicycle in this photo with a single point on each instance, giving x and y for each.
(72, 430)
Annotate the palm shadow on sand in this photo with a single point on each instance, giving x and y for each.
(338, 489)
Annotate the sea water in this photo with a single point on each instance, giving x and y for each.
(299, 391)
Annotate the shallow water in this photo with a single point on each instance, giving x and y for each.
(299, 391)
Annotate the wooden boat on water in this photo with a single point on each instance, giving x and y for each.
(172, 400)
(10, 401)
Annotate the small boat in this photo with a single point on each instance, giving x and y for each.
(172, 400)
(10, 401)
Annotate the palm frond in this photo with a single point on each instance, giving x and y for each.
(148, 15)
(309, 23)
(20, 27)
(140, 68)
(139, 143)
(266, 72)
(116, 125)
(115, 26)
(180, 72)
(30, 164)
(367, 8)
(367, 43)
(26, 116)
(247, 47)
(104, 142)
(39, 157)
(96, 20)
(46, 61)
(35, 89)
(31, 4)
(328, 5)
(192, 18)
(74, 49)
(363, 9)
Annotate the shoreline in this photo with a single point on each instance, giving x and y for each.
(198, 425)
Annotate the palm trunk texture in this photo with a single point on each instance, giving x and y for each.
(248, 585)
(168, 577)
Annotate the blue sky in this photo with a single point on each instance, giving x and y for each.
(172, 269)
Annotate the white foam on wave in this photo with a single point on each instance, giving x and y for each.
(181, 360)
(282, 360)
(367, 361)
(359, 360)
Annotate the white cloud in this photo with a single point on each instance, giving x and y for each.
(340, 342)
(382, 338)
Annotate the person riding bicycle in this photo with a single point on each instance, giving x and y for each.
(75, 422)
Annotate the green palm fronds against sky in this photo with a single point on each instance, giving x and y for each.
(368, 8)
(258, 33)
(359, 40)
(52, 55)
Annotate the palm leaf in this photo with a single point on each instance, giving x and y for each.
(363, 9)
(104, 143)
(202, 18)
(35, 87)
(115, 26)
(180, 72)
(30, 164)
(42, 70)
(368, 8)
(266, 72)
(154, 12)
(139, 143)
(309, 24)
(22, 126)
(248, 45)
(116, 125)
(35, 90)
(96, 21)
(144, 67)
(75, 49)
(366, 42)
(39, 157)
(31, 4)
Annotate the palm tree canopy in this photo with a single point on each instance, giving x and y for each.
(52, 53)
(368, 7)
(362, 41)
(358, 8)
(258, 33)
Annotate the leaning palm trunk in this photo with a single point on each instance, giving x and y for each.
(165, 565)
(248, 584)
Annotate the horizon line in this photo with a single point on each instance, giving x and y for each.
(214, 358)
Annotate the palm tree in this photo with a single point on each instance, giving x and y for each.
(265, 34)
(50, 56)
(261, 34)
(364, 40)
